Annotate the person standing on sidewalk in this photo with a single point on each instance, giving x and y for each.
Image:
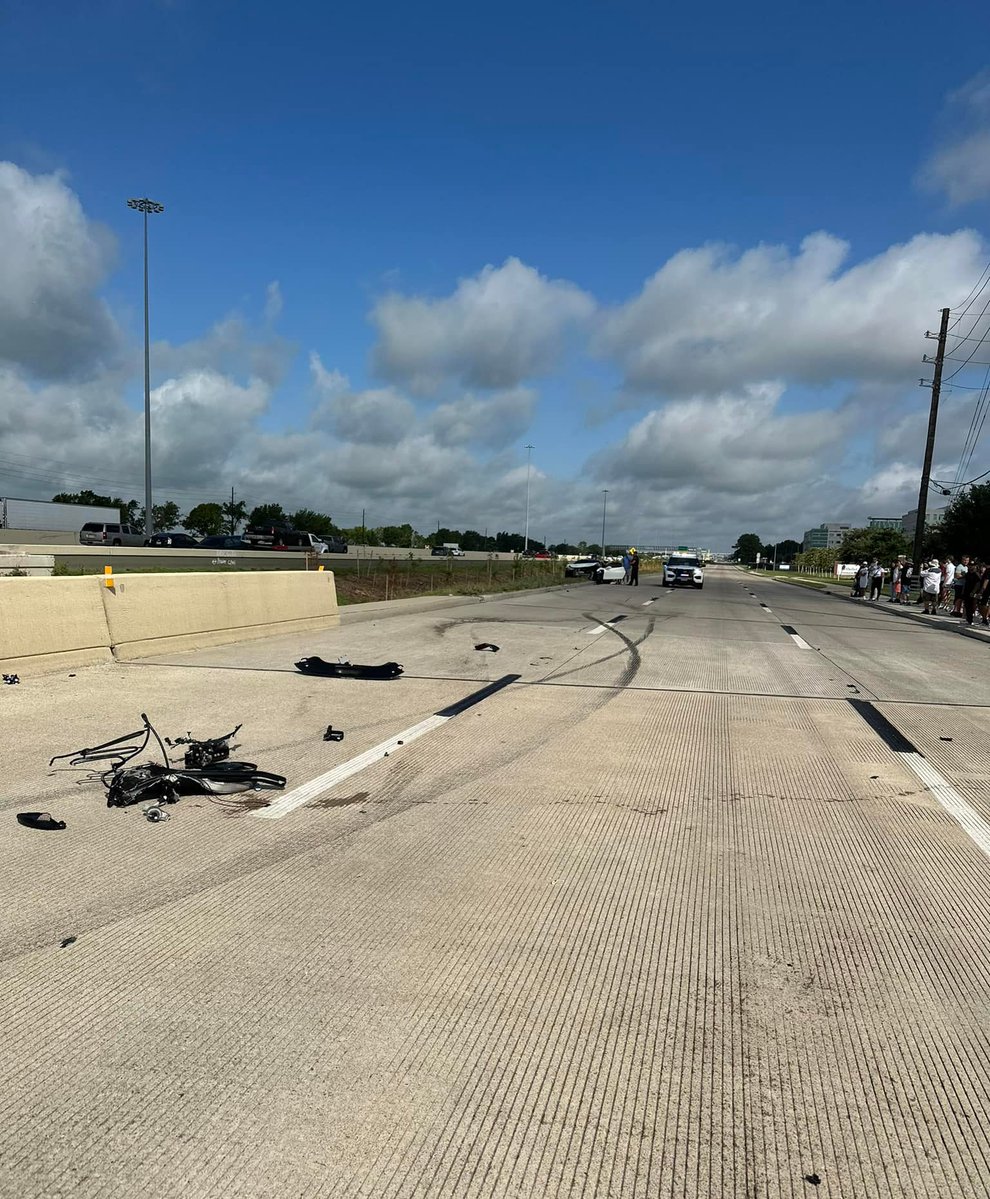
(895, 581)
(931, 584)
(861, 581)
(959, 585)
(984, 595)
(907, 578)
(948, 578)
(876, 579)
(972, 585)
(633, 567)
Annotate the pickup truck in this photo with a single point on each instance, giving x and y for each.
(278, 537)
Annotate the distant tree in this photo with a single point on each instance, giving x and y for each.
(509, 543)
(127, 510)
(883, 544)
(313, 522)
(563, 547)
(267, 514)
(782, 551)
(234, 515)
(397, 535)
(473, 540)
(359, 536)
(205, 520)
(965, 527)
(817, 559)
(163, 516)
(444, 535)
(747, 546)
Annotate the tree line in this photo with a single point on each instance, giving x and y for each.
(964, 529)
(213, 519)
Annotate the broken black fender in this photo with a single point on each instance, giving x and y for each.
(348, 670)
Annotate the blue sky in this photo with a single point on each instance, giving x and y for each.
(350, 153)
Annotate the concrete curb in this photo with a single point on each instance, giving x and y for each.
(933, 622)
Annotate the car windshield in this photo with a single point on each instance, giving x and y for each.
(682, 561)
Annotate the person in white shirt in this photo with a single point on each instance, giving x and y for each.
(931, 584)
(959, 585)
(948, 576)
(876, 579)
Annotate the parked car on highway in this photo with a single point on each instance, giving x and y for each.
(335, 545)
(94, 533)
(441, 551)
(581, 568)
(223, 542)
(174, 541)
(609, 573)
(309, 543)
(683, 570)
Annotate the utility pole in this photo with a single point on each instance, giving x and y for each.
(604, 506)
(529, 454)
(926, 470)
(145, 206)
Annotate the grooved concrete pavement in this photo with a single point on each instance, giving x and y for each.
(665, 917)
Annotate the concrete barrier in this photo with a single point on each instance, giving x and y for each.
(38, 566)
(166, 613)
(51, 624)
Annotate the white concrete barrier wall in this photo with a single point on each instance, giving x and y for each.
(57, 623)
(51, 624)
(165, 613)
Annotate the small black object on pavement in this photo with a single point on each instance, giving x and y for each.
(40, 820)
(487, 645)
(333, 734)
(10, 679)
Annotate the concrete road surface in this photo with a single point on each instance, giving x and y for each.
(691, 900)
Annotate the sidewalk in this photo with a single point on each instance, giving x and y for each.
(952, 624)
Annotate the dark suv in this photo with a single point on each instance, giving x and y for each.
(94, 533)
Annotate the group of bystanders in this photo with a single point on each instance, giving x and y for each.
(959, 589)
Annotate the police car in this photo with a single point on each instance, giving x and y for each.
(683, 570)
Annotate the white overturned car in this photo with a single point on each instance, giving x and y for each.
(609, 573)
(683, 570)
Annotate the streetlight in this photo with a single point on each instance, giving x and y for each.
(604, 505)
(145, 206)
(529, 453)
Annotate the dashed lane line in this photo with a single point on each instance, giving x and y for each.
(325, 782)
(604, 627)
(798, 640)
(969, 820)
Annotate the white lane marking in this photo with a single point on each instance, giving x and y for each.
(799, 641)
(602, 628)
(307, 791)
(645, 602)
(950, 799)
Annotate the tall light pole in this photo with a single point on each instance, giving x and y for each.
(604, 506)
(529, 454)
(145, 206)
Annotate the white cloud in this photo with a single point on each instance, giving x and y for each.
(491, 422)
(231, 346)
(377, 417)
(710, 320)
(960, 167)
(732, 444)
(501, 326)
(54, 259)
(273, 302)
